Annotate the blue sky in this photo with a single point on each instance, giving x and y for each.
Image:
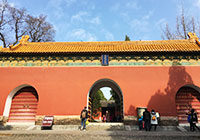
(108, 20)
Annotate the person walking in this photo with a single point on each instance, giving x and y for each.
(146, 119)
(193, 119)
(83, 117)
(154, 120)
(140, 122)
(107, 116)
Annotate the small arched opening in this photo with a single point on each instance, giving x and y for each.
(110, 110)
(187, 97)
(21, 105)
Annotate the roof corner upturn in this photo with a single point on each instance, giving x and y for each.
(23, 40)
(193, 37)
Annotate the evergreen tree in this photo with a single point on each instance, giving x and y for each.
(114, 96)
(96, 103)
(127, 38)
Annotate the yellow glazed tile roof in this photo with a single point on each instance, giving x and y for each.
(24, 46)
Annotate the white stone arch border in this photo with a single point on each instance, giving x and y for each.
(9, 99)
(111, 81)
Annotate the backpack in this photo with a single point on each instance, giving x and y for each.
(195, 119)
(83, 115)
(189, 118)
(153, 117)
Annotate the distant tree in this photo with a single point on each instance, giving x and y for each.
(39, 29)
(127, 38)
(17, 23)
(96, 103)
(14, 23)
(184, 25)
(4, 22)
(113, 95)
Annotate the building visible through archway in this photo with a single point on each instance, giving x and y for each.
(112, 108)
(23, 106)
(187, 97)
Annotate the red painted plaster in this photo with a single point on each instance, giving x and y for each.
(64, 90)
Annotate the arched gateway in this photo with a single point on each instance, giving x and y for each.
(187, 97)
(21, 105)
(115, 108)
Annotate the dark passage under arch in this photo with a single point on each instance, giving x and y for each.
(114, 107)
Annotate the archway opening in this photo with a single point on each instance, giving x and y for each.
(23, 105)
(105, 102)
(187, 97)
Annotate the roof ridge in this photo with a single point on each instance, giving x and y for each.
(25, 46)
(112, 42)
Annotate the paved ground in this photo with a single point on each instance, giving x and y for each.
(96, 135)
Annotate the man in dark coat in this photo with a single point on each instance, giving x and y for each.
(146, 119)
(193, 119)
(83, 117)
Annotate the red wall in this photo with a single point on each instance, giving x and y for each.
(64, 90)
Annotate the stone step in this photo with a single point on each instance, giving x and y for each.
(89, 127)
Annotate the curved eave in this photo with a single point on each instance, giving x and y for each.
(78, 52)
(166, 46)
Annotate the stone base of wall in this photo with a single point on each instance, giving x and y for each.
(164, 121)
(130, 120)
(168, 121)
(61, 120)
(75, 120)
(3, 120)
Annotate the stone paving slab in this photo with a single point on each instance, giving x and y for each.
(66, 132)
(89, 127)
(96, 135)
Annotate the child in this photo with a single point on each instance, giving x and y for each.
(140, 120)
(104, 118)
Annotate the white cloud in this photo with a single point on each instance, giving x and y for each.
(142, 24)
(70, 2)
(139, 25)
(81, 34)
(78, 17)
(161, 22)
(125, 16)
(148, 15)
(197, 3)
(108, 35)
(12, 4)
(115, 7)
(132, 5)
(85, 17)
(58, 7)
(58, 11)
(129, 5)
(95, 20)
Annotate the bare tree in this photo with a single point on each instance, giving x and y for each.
(4, 21)
(167, 33)
(17, 23)
(184, 25)
(39, 29)
(14, 23)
